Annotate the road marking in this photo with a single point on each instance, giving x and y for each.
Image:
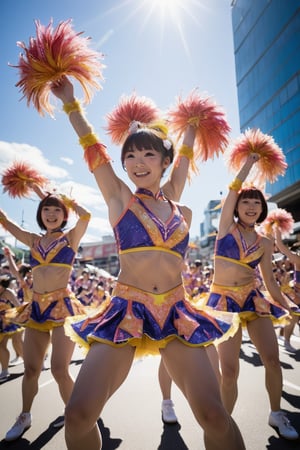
(46, 383)
(292, 385)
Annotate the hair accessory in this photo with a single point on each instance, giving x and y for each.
(167, 144)
(133, 127)
(52, 54)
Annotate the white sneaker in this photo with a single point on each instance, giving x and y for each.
(23, 422)
(16, 361)
(280, 421)
(289, 348)
(167, 411)
(4, 375)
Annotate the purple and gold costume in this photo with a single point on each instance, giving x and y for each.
(144, 320)
(6, 327)
(292, 294)
(49, 310)
(246, 300)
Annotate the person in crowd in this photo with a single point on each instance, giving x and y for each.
(294, 292)
(148, 311)
(239, 251)
(23, 276)
(51, 258)
(8, 330)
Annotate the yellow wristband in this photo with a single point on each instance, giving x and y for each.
(186, 151)
(72, 107)
(88, 140)
(236, 184)
(86, 216)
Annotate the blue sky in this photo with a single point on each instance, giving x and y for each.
(157, 48)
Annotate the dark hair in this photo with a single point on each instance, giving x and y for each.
(51, 200)
(147, 138)
(5, 281)
(253, 192)
(24, 269)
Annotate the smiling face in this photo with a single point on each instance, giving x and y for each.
(251, 207)
(145, 167)
(51, 214)
(52, 217)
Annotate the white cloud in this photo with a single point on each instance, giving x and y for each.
(68, 161)
(12, 151)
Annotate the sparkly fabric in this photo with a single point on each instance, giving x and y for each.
(149, 321)
(248, 301)
(58, 252)
(47, 311)
(6, 327)
(147, 230)
(234, 248)
(297, 277)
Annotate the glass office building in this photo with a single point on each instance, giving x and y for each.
(266, 36)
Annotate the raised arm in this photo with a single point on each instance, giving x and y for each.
(76, 233)
(268, 275)
(112, 188)
(293, 257)
(175, 184)
(13, 268)
(19, 233)
(227, 215)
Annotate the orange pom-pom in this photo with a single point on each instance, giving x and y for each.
(271, 163)
(52, 54)
(211, 127)
(282, 219)
(18, 179)
(132, 108)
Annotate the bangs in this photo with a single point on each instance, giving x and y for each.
(145, 139)
(253, 192)
(52, 201)
(250, 192)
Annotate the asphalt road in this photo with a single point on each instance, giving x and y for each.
(131, 419)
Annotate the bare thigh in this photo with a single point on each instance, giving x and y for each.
(191, 370)
(102, 373)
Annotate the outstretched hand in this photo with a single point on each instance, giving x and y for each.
(63, 89)
(253, 157)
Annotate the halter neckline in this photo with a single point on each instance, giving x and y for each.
(146, 193)
(247, 227)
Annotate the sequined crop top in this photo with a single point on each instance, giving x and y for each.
(138, 229)
(58, 253)
(234, 248)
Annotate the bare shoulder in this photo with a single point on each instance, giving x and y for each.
(185, 210)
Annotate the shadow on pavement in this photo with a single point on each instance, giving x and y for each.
(108, 443)
(37, 444)
(171, 439)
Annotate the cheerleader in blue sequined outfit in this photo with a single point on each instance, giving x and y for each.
(8, 300)
(51, 258)
(148, 311)
(239, 251)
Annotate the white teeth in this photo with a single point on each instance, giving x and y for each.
(141, 174)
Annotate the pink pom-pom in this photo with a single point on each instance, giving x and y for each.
(211, 126)
(52, 54)
(132, 108)
(18, 179)
(282, 219)
(271, 163)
